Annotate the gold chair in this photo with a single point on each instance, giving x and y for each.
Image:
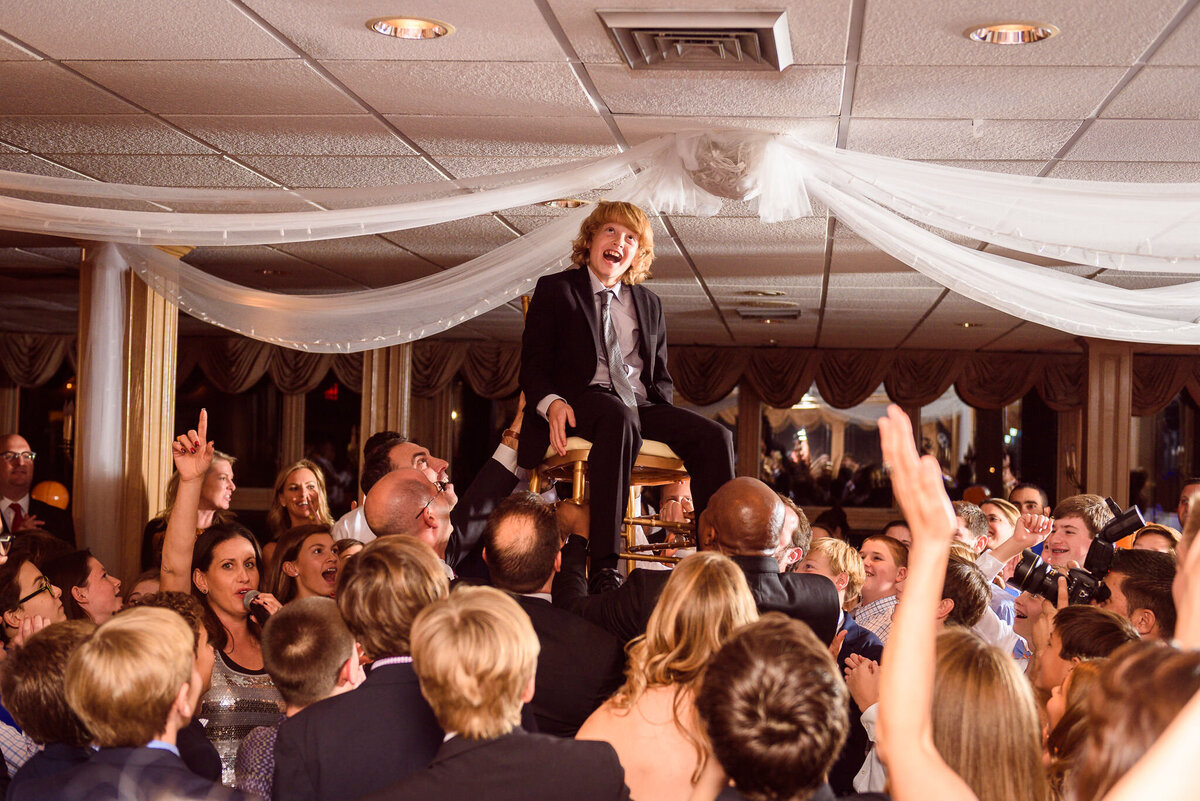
(656, 465)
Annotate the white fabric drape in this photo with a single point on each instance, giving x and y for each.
(101, 465)
(1140, 227)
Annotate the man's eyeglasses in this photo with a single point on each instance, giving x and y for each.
(441, 487)
(42, 585)
(17, 456)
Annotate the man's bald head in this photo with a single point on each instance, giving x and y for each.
(743, 518)
(394, 504)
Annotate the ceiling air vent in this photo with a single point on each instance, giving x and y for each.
(701, 40)
(768, 310)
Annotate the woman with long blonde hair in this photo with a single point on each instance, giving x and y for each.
(299, 499)
(651, 720)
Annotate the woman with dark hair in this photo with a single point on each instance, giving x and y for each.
(26, 594)
(299, 498)
(89, 592)
(221, 569)
(306, 564)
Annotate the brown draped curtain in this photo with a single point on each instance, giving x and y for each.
(703, 375)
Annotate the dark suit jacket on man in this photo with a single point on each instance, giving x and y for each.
(515, 767)
(579, 666)
(356, 743)
(493, 483)
(625, 611)
(126, 774)
(563, 345)
(54, 520)
(850, 760)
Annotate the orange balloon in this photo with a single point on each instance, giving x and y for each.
(52, 493)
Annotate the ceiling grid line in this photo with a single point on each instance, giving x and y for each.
(858, 10)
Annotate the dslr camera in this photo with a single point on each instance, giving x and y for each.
(1084, 585)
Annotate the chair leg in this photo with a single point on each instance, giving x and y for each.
(629, 532)
(577, 482)
(535, 482)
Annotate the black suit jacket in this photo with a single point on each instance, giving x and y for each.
(515, 767)
(357, 743)
(579, 666)
(55, 521)
(52, 760)
(850, 760)
(492, 484)
(563, 344)
(126, 774)
(625, 611)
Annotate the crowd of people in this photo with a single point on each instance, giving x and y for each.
(768, 665)
(439, 642)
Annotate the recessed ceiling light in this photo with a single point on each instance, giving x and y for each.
(270, 272)
(565, 203)
(767, 321)
(764, 293)
(970, 325)
(1011, 33)
(411, 27)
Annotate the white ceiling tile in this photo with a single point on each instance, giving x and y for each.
(1006, 167)
(482, 31)
(1139, 140)
(12, 51)
(367, 260)
(39, 258)
(506, 137)
(1029, 336)
(1132, 280)
(267, 267)
(640, 128)
(343, 171)
(1129, 171)
(133, 29)
(34, 166)
(985, 139)
(471, 167)
(1033, 93)
(1182, 47)
(818, 27)
(220, 87)
(931, 32)
(334, 135)
(1159, 93)
(97, 133)
(454, 242)
(797, 92)
(205, 171)
(477, 89)
(42, 87)
(745, 246)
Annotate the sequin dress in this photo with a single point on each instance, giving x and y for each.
(240, 700)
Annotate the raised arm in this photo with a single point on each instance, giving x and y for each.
(193, 454)
(917, 771)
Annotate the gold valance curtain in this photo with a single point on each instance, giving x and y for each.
(703, 375)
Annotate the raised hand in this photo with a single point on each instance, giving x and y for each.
(916, 481)
(192, 451)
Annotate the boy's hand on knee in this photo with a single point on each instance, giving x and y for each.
(559, 416)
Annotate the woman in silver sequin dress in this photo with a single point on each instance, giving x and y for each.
(220, 568)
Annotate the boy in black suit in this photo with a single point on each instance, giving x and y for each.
(475, 654)
(594, 359)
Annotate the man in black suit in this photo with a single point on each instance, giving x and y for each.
(134, 723)
(580, 664)
(475, 654)
(594, 359)
(360, 742)
(18, 511)
(744, 520)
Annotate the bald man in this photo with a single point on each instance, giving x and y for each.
(743, 520)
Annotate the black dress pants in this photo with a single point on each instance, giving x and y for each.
(616, 432)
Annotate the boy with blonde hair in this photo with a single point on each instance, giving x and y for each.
(134, 685)
(475, 655)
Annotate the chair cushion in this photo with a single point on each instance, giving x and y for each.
(650, 447)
